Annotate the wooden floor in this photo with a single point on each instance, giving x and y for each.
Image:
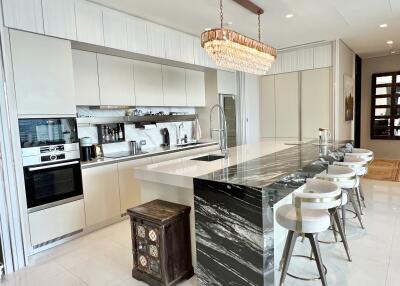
(384, 170)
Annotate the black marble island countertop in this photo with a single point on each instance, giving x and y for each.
(234, 217)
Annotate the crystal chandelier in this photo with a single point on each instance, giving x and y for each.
(232, 50)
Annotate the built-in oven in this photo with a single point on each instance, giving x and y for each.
(51, 160)
(52, 184)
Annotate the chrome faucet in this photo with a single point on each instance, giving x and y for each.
(178, 133)
(223, 133)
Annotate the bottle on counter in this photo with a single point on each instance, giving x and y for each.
(120, 132)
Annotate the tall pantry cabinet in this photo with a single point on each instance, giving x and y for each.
(294, 105)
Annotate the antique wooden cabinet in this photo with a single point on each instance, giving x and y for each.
(161, 242)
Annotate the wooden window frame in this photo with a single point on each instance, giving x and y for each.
(394, 107)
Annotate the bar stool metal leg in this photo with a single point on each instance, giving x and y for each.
(287, 254)
(355, 206)
(359, 199)
(317, 253)
(343, 208)
(336, 218)
(362, 196)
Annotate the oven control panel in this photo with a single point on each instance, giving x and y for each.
(49, 158)
(53, 148)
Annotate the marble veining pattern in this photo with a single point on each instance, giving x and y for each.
(234, 218)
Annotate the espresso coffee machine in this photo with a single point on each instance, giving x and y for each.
(86, 149)
(165, 134)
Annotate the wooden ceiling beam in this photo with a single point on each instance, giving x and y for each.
(251, 6)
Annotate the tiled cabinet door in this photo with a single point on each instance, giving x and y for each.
(43, 77)
(116, 80)
(115, 29)
(59, 18)
(24, 15)
(195, 88)
(137, 35)
(174, 87)
(101, 193)
(89, 23)
(86, 78)
(129, 186)
(148, 84)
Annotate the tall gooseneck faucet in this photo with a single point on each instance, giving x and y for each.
(223, 133)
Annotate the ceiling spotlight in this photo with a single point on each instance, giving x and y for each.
(383, 25)
(389, 42)
(393, 52)
(288, 16)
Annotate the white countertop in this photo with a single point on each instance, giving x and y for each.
(180, 172)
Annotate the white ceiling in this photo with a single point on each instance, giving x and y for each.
(356, 22)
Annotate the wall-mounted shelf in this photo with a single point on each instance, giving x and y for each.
(141, 120)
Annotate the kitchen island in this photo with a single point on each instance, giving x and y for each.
(232, 226)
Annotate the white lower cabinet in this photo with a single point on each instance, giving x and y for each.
(129, 186)
(101, 193)
(57, 221)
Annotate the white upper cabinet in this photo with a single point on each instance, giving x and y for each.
(289, 61)
(172, 44)
(116, 80)
(89, 23)
(227, 83)
(24, 15)
(155, 40)
(187, 48)
(148, 84)
(195, 88)
(174, 86)
(323, 56)
(43, 74)
(137, 35)
(115, 29)
(86, 78)
(305, 59)
(59, 18)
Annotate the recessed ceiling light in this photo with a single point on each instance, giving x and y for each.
(389, 42)
(383, 25)
(393, 52)
(288, 16)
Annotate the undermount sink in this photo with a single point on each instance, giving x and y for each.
(188, 144)
(209, 158)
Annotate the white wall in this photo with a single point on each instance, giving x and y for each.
(383, 149)
(344, 64)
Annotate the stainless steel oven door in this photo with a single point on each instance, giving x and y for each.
(52, 184)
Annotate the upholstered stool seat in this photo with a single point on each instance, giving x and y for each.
(366, 154)
(360, 166)
(312, 221)
(345, 178)
(309, 214)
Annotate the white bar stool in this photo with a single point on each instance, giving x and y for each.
(345, 178)
(308, 215)
(360, 166)
(365, 154)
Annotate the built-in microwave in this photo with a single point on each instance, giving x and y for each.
(51, 160)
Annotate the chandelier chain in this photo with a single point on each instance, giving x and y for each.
(259, 28)
(221, 13)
